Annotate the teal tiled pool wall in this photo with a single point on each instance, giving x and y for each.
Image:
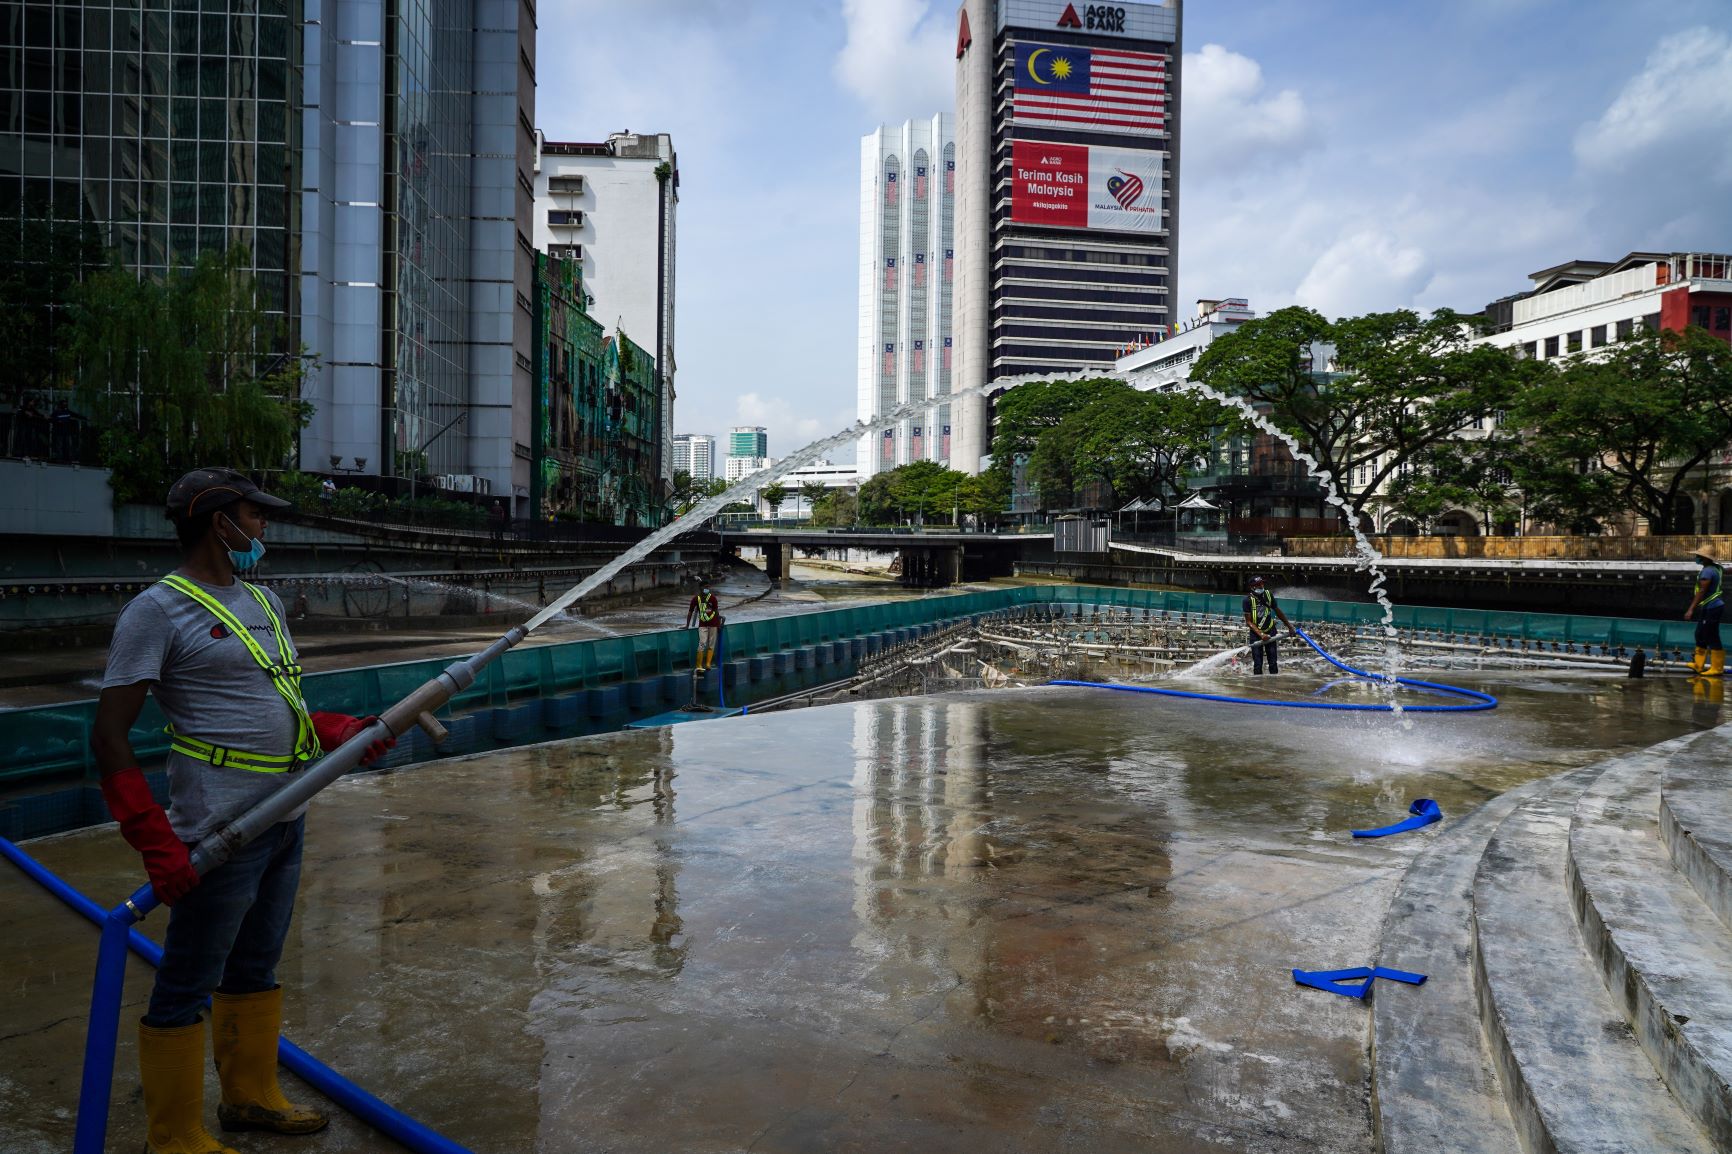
(575, 688)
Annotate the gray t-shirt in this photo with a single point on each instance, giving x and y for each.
(209, 687)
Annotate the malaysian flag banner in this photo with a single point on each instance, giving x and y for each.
(946, 449)
(919, 365)
(889, 359)
(919, 269)
(950, 178)
(890, 187)
(949, 264)
(944, 363)
(889, 274)
(914, 444)
(920, 182)
(1094, 89)
(1082, 186)
(889, 453)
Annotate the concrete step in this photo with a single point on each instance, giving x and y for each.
(1575, 1078)
(1434, 1086)
(1666, 959)
(1695, 821)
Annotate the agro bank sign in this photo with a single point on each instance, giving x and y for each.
(1083, 186)
(1127, 21)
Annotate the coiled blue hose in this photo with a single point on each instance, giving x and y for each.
(386, 1119)
(1476, 700)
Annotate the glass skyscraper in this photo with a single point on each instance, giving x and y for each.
(166, 124)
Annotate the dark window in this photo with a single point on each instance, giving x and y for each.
(1573, 340)
(1699, 316)
(1531, 350)
(1597, 335)
(1722, 319)
(1551, 347)
(1626, 329)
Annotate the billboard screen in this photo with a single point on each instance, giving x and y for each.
(1129, 21)
(1083, 186)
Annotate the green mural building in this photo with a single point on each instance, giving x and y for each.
(596, 397)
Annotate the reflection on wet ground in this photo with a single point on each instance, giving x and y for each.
(1033, 920)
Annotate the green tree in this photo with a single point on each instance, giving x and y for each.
(41, 264)
(920, 486)
(836, 508)
(181, 373)
(1641, 416)
(715, 487)
(1478, 475)
(874, 503)
(684, 493)
(1023, 414)
(1403, 383)
(812, 492)
(774, 494)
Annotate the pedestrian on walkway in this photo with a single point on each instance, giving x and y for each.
(215, 652)
(1707, 607)
(1260, 614)
(706, 610)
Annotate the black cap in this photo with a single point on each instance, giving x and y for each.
(1257, 579)
(207, 490)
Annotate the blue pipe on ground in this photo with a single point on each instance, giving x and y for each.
(117, 936)
(1476, 700)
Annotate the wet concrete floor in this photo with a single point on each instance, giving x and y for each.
(1042, 920)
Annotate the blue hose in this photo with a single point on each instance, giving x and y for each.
(1476, 700)
(388, 1120)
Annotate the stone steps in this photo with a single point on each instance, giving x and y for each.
(1575, 1078)
(1434, 1085)
(1664, 956)
(1696, 820)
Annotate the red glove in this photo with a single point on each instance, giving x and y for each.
(333, 729)
(145, 828)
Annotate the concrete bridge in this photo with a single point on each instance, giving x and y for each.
(930, 559)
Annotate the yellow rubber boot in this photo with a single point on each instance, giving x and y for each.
(171, 1066)
(1716, 663)
(1699, 662)
(246, 1028)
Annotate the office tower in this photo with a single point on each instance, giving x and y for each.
(696, 454)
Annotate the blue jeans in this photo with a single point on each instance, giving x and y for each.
(1708, 625)
(228, 933)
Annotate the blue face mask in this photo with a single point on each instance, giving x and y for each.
(244, 559)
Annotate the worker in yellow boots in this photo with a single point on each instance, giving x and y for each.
(217, 656)
(1706, 609)
(706, 610)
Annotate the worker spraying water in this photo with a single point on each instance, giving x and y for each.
(706, 611)
(1260, 614)
(217, 656)
(1707, 607)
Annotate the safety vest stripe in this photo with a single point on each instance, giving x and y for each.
(1719, 579)
(284, 675)
(1262, 611)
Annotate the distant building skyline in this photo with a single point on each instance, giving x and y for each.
(907, 266)
(695, 453)
(748, 441)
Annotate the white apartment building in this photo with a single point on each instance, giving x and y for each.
(736, 468)
(696, 454)
(611, 206)
(907, 265)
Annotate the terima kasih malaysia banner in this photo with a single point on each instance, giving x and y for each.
(1082, 186)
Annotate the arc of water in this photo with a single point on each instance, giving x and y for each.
(1368, 555)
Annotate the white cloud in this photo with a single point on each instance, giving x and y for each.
(1658, 158)
(1677, 110)
(1230, 121)
(899, 57)
(1365, 271)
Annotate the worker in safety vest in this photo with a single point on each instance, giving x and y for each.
(1706, 609)
(1260, 614)
(217, 655)
(706, 610)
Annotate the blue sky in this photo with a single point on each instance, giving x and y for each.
(1348, 155)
